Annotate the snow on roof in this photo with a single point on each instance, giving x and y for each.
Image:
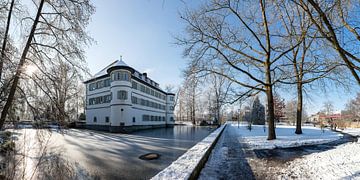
(104, 71)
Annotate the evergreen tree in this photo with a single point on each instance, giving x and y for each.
(258, 112)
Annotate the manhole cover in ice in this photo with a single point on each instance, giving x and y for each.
(149, 156)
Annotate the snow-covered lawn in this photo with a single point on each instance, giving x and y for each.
(343, 162)
(285, 136)
(352, 131)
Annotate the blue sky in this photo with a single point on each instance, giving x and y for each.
(143, 31)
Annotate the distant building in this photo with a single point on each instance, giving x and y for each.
(320, 117)
(121, 99)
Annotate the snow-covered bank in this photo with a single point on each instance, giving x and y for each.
(285, 136)
(343, 162)
(352, 131)
(188, 123)
(185, 165)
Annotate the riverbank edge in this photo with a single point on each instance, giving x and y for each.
(190, 164)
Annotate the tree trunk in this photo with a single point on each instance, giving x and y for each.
(19, 69)
(193, 107)
(299, 108)
(270, 103)
(271, 114)
(3, 49)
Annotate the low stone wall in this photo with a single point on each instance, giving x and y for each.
(189, 165)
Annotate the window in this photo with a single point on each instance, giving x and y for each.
(107, 99)
(142, 102)
(171, 98)
(146, 118)
(100, 84)
(107, 82)
(91, 101)
(95, 119)
(122, 95)
(171, 108)
(163, 118)
(120, 76)
(92, 86)
(134, 85)
(107, 119)
(134, 99)
(133, 119)
(171, 119)
(142, 88)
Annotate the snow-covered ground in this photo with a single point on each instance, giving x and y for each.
(352, 131)
(285, 136)
(343, 162)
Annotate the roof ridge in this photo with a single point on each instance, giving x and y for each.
(105, 68)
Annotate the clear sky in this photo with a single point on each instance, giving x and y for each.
(143, 31)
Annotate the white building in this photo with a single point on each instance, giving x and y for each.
(120, 99)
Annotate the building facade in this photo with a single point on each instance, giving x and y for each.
(121, 99)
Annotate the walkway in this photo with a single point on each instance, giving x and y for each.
(228, 159)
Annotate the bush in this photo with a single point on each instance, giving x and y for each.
(249, 126)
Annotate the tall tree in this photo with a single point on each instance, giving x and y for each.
(301, 64)
(243, 37)
(324, 15)
(58, 28)
(5, 38)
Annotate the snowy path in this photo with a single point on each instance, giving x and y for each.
(228, 159)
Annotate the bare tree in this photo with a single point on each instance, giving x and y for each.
(353, 106)
(328, 107)
(241, 36)
(58, 29)
(60, 84)
(5, 38)
(307, 62)
(291, 111)
(220, 88)
(323, 15)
